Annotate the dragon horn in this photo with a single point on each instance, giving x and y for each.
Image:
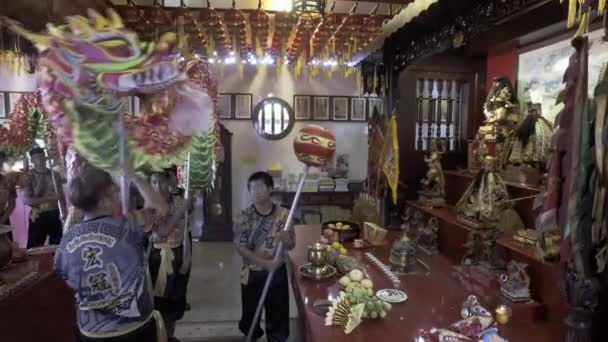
(115, 20)
(79, 25)
(98, 20)
(41, 41)
(54, 30)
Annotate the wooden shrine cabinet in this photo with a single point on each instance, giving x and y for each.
(440, 97)
(217, 221)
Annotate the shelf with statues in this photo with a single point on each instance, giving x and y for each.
(458, 241)
(438, 231)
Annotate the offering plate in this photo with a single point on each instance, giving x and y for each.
(317, 272)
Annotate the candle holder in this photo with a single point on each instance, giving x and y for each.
(503, 314)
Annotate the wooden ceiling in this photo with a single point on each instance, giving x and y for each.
(385, 6)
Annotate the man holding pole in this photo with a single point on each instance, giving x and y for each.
(256, 237)
(43, 194)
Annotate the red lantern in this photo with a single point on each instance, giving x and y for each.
(314, 145)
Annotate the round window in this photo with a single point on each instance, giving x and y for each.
(273, 118)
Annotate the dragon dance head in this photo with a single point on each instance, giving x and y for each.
(95, 62)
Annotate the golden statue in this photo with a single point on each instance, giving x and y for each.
(482, 204)
(502, 117)
(433, 185)
(532, 139)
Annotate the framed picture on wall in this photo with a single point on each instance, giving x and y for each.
(242, 106)
(12, 101)
(358, 109)
(340, 108)
(225, 106)
(302, 107)
(321, 108)
(136, 106)
(2, 106)
(375, 102)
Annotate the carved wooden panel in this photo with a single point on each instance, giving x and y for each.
(441, 104)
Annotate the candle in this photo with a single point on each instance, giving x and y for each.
(503, 313)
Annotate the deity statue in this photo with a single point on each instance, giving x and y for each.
(427, 237)
(490, 256)
(474, 248)
(532, 139)
(516, 283)
(433, 185)
(482, 204)
(502, 117)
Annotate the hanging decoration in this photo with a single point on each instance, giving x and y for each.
(299, 47)
(259, 22)
(189, 25)
(215, 31)
(306, 37)
(323, 33)
(282, 35)
(27, 122)
(236, 25)
(344, 40)
(579, 11)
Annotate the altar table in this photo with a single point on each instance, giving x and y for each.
(434, 300)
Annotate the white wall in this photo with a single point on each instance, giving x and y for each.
(10, 81)
(252, 153)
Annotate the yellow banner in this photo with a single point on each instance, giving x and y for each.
(390, 160)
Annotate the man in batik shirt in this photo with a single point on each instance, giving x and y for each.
(256, 237)
(43, 192)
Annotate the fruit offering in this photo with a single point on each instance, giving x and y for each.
(336, 246)
(339, 226)
(360, 290)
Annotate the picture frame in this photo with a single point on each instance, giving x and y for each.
(225, 106)
(12, 101)
(377, 102)
(540, 72)
(340, 108)
(242, 106)
(358, 109)
(321, 108)
(301, 105)
(3, 112)
(136, 106)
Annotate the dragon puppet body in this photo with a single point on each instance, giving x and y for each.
(89, 67)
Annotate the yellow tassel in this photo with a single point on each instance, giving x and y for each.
(572, 12)
(583, 27)
(601, 6)
(240, 66)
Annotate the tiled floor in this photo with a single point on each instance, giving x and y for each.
(215, 296)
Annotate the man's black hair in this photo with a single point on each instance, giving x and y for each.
(263, 176)
(36, 150)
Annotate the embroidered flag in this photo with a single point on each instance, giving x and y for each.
(390, 157)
